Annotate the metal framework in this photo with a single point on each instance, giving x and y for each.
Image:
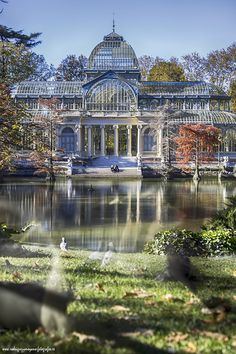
(49, 88)
(180, 88)
(113, 53)
(111, 95)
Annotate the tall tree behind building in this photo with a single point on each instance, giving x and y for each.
(41, 70)
(232, 93)
(220, 66)
(194, 67)
(167, 71)
(71, 68)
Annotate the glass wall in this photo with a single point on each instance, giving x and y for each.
(111, 95)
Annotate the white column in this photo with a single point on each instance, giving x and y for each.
(139, 141)
(102, 127)
(129, 140)
(78, 138)
(116, 140)
(89, 135)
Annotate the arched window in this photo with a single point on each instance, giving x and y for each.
(230, 140)
(111, 95)
(68, 140)
(148, 140)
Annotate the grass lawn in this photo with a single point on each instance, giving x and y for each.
(123, 309)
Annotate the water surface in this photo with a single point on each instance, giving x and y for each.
(127, 213)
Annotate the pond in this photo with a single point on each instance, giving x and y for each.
(127, 213)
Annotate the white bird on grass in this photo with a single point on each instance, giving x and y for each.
(108, 255)
(63, 244)
(96, 255)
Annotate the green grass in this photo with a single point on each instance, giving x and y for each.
(177, 323)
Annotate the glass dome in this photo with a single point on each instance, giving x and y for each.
(113, 53)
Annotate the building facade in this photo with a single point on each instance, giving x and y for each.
(113, 112)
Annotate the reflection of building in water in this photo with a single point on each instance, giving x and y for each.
(108, 113)
(126, 213)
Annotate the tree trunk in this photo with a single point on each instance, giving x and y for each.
(196, 176)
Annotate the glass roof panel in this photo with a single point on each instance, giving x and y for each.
(180, 88)
(49, 88)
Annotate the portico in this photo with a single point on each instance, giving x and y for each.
(89, 140)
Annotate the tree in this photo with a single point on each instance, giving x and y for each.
(15, 56)
(232, 93)
(220, 66)
(146, 62)
(194, 67)
(196, 142)
(41, 71)
(71, 68)
(11, 114)
(44, 126)
(9, 35)
(4, 2)
(15, 63)
(163, 122)
(166, 71)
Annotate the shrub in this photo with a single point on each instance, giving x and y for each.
(225, 218)
(218, 242)
(181, 242)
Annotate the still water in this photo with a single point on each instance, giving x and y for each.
(128, 213)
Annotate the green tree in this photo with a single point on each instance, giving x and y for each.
(15, 63)
(7, 35)
(167, 71)
(71, 68)
(15, 56)
(11, 114)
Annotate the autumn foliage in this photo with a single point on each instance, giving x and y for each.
(196, 142)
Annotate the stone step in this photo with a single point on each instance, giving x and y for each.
(106, 172)
(107, 161)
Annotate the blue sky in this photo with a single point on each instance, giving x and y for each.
(155, 27)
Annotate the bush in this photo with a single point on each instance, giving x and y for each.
(181, 242)
(219, 242)
(5, 232)
(225, 218)
(216, 242)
